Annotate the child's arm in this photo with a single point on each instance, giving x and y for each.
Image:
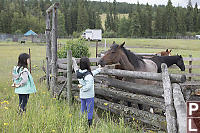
(98, 70)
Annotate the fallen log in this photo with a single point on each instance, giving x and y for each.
(64, 60)
(62, 79)
(150, 90)
(62, 66)
(175, 78)
(130, 97)
(146, 117)
(168, 96)
(180, 106)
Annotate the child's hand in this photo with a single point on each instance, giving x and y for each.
(79, 86)
(18, 85)
(13, 85)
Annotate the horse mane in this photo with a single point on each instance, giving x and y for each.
(133, 59)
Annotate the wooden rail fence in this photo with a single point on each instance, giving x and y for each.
(110, 93)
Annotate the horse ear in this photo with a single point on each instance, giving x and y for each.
(166, 50)
(113, 42)
(180, 56)
(122, 45)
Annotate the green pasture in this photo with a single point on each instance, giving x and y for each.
(46, 114)
(152, 45)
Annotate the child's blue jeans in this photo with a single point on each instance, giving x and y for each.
(87, 105)
(23, 100)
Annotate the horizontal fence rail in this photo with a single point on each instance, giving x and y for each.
(189, 67)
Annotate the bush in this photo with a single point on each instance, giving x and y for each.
(79, 49)
(76, 34)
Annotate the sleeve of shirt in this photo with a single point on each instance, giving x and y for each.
(15, 76)
(24, 77)
(95, 72)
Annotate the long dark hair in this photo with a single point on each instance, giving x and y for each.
(22, 60)
(85, 64)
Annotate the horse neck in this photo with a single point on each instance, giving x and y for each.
(170, 60)
(124, 62)
(135, 61)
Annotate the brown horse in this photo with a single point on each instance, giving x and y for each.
(164, 53)
(128, 60)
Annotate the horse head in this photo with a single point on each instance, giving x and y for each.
(168, 52)
(113, 55)
(180, 63)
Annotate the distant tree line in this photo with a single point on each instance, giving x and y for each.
(74, 16)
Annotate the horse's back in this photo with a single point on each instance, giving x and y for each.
(150, 66)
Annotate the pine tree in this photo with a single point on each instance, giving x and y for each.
(160, 28)
(189, 17)
(108, 22)
(124, 27)
(18, 23)
(92, 17)
(82, 20)
(198, 23)
(141, 23)
(135, 25)
(181, 27)
(98, 23)
(158, 23)
(115, 18)
(61, 24)
(148, 19)
(74, 15)
(171, 25)
(195, 16)
(68, 21)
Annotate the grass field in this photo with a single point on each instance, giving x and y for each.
(44, 113)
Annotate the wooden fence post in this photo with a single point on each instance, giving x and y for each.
(180, 106)
(190, 67)
(96, 49)
(48, 49)
(105, 46)
(169, 105)
(54, 50)
(29, 51)
(69, 76)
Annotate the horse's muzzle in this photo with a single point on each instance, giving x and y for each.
(183, 69)
(101, 62)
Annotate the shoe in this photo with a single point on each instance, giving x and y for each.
(90, 122)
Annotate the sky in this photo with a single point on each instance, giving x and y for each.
(182, 3)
